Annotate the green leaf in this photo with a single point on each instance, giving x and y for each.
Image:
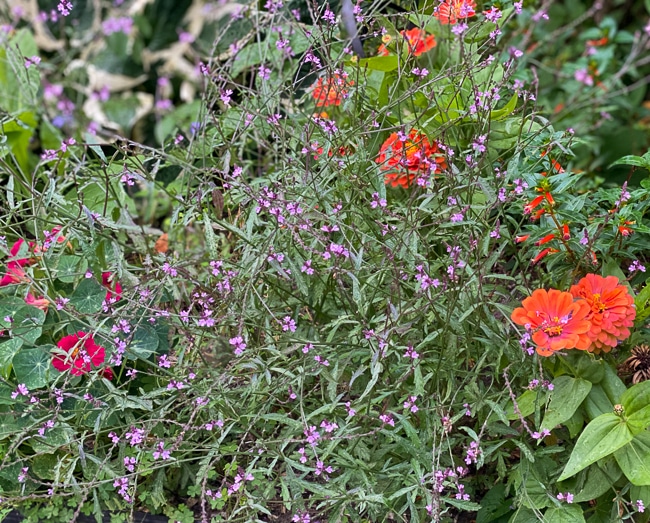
(564, 514)
(642, 304)
(27, 324)
(602, 437)
(9, 307)
(70, 267)
(506, 110)
(596, 484)
(32, 367)
(8, 350)
(636, 405)
(144, 342)
(568, 393)
(88, 297)
(634, 459)
(636, 161)
(380, 63)
(597, 402)
(526, 403)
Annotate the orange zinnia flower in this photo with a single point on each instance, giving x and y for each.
(331, 90)
(554, 320)
(405, 159)
(450, 11)
(418, 41)
(612, 310)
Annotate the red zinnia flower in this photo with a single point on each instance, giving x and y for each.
(450, 11)
(332, 90)
(80, 352)
(554, 320)
(612, 310)
(405, 159)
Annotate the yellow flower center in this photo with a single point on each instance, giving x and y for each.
(596, 304)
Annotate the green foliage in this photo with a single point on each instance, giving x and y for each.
(258, 277)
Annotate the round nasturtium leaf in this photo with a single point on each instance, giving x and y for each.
(88, 297)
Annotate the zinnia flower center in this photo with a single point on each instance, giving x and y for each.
(553, 327)
(596, 304)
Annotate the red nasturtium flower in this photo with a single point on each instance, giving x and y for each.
(114, 288)
(450, 11)
(15, 273)
(331, 90)
(404, 159)
(81, 352)
(555, 321)
(611, 310)
(418, 40)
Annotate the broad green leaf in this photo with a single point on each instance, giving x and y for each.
(144, 342)
(564, 514)
(506, 110)
(636, 405)
(88, 297)
(568, 393)
(8, 350)
(597, 402)
(634, 459)
(524, 515)
(8, 308)
(70, 267)
(526, 403)
(32, 367)
(27, 324)
(636, 161)
(596, 484)
(612, 385)
(602, 437)
(52, 439)
(380, 63)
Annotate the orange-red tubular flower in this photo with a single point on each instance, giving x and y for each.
(545, 239)
(331, 90)
(566, 235)
(612, 310)
(542, 254)
(554, 320)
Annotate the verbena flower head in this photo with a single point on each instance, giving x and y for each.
(555, 321)
(403, 160)
(331, 90)
(612, 310)
(418, 40)
(450, 11)
(81, 352)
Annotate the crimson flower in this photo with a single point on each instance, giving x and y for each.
(114, 292)
(15, 273)
(79, 353)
